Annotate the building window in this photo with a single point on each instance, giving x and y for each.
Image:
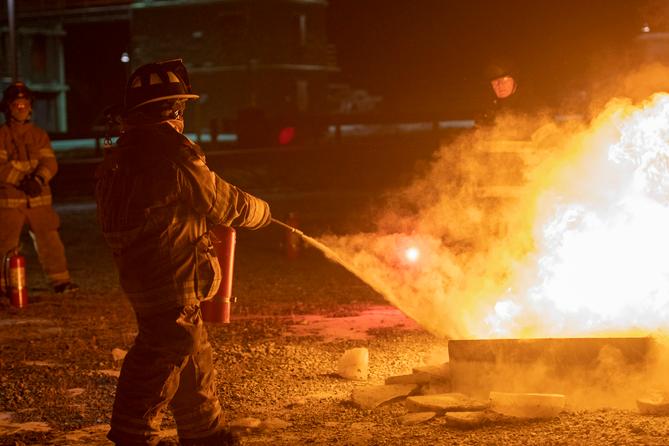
(300, 30)
(4, 56)
(38, 55)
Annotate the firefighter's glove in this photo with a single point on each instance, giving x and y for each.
(31, 185)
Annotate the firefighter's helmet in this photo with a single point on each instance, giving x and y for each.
(157, 81)
(499, 68)
(17, 90)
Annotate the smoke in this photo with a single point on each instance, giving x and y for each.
(468, 238)
(601, 373)
(636, 85)
(497, 209)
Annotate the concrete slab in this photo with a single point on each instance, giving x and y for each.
(655, 404)
(527, 405)
(467, 420)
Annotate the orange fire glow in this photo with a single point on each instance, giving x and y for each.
(582, 251)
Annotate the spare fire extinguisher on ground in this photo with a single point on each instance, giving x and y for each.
(218, 308)
(14, 278)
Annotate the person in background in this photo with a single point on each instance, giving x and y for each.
(502, 90)
(157, 200)
(27, 165)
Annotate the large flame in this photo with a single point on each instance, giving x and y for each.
(600, 265)
(583, 250)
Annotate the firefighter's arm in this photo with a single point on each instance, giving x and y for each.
(13, 171)
(46, 165)
(222, 203)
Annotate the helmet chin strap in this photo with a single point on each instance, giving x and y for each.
(177, 124)
(19, 121)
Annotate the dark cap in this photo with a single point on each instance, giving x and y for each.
(499, 68)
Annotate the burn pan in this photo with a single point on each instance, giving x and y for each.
(591, 372)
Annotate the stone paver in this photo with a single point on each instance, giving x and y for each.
(369, 397)
(527, 405)
(445, 402)
(413, 418)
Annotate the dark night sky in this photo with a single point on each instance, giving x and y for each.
(425, 53)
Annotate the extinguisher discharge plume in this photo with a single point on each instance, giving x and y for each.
(330, 254)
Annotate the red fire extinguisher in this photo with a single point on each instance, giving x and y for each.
(14, 278)
(218, 308)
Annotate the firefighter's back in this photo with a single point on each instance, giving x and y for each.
(152, 231)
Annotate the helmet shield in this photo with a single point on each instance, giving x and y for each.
(158, 81)
(17, 90)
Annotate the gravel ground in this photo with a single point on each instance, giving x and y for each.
(58, 373)
(56, 365)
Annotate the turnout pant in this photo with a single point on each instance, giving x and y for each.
(43, 223)
(170, 364)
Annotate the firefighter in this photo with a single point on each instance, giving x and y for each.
(27, 165)
(502, 90)
(157, 199)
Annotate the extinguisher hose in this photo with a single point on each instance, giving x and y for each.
(5, 271)
(290, 228)
(3, 282)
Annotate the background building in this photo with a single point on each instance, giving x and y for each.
(39, 61)
(266, 65)
(68, 52)
(267, 61)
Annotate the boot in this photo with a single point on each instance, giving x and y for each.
(223, 437)
(162, 442)
(66, 288)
